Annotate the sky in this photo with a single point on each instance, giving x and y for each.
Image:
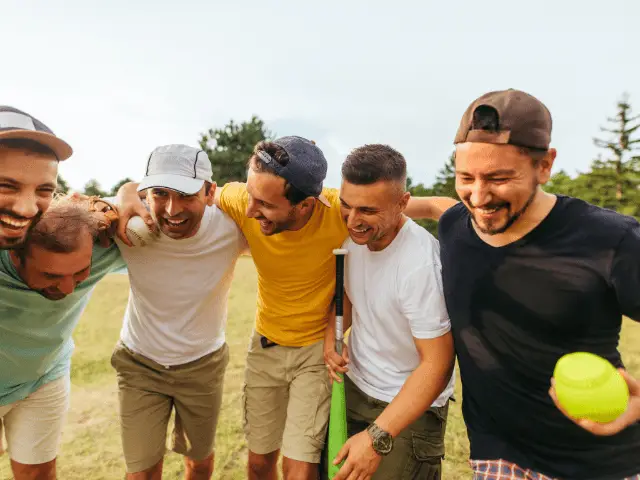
(116, 79)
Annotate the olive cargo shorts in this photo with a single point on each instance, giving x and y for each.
(418, 450)
(286, 400)
(148, 392)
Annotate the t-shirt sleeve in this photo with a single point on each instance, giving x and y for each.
(625, 273)
(422, 302)
(234, 200)
(106, 260)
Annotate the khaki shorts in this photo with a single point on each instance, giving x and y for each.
(33, 426)
(148, 392)
(286, 400)
(418, 450)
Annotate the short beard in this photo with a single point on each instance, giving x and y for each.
(510, 221)
(285, 225)
(18, 243)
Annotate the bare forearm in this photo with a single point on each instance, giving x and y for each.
(430, 208)
(417, 395)
(130, 188)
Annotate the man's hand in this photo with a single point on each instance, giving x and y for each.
(361, 460)
(130, 205)
(629, 417)
(334, 362)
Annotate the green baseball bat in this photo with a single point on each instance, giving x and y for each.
(338, 413)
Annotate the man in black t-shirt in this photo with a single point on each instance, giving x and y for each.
(528, 277)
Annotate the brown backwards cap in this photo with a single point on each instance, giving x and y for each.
(523, 120)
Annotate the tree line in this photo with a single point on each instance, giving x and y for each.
(611, 181)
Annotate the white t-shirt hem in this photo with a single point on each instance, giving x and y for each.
(383, 397)
(218, 344)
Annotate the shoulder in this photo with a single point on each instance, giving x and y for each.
(233, 193)
(419, 247)
(219, 224)
(452, 218)
(332, 195)
(584, 216)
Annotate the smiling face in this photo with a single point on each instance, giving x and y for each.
(27, 183)
(372, 212)
(269, 205)
(498, 183)
(179, 215)
(55, 275)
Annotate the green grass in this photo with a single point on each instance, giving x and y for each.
(91, 447)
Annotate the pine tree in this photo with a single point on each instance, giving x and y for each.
(618, 175)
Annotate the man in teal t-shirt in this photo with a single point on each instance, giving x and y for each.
(44, 289)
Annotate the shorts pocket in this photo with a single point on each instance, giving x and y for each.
(319, 424)
(427, 449)
(245, 422)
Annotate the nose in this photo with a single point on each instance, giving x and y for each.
(252, 211)
(480, 194)
(26, 205)
(67, 285)
(173, 207)
(353, 220)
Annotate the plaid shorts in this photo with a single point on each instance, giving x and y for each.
(503, 470)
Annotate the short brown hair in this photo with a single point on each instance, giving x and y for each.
(25, 144)
(374, 163)
(61, 227)
(281, 156)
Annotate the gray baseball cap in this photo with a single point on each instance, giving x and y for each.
(177, 167)
(18, 125)
(306, 168)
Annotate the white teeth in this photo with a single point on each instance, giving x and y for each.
(357, 230)
(13, 222)
(175, 222)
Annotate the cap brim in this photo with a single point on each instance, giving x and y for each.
(324, 200)
(186, 185)
(61, 148)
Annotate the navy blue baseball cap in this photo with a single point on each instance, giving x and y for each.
(306, 168)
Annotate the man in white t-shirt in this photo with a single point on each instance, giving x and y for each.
(172, 353)
(400, 352)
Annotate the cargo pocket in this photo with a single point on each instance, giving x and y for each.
(428, 453)
(319, 422)
(245, 422)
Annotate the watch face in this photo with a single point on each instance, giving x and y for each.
(383, 444)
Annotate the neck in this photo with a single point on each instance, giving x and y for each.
(540, 207)
(15, 259)
(386, 239)
(302, 221)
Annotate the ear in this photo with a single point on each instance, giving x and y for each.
(545, 166)
(404, 201)
(211, 195)
(306, 204)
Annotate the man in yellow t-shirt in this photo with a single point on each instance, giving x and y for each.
(292, 224)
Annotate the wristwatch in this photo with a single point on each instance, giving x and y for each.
(382, 441)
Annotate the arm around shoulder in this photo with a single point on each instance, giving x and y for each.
(429, 208)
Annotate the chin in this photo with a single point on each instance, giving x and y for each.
(12, 242)
(360, 240)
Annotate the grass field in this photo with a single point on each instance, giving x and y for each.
(91, 446)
